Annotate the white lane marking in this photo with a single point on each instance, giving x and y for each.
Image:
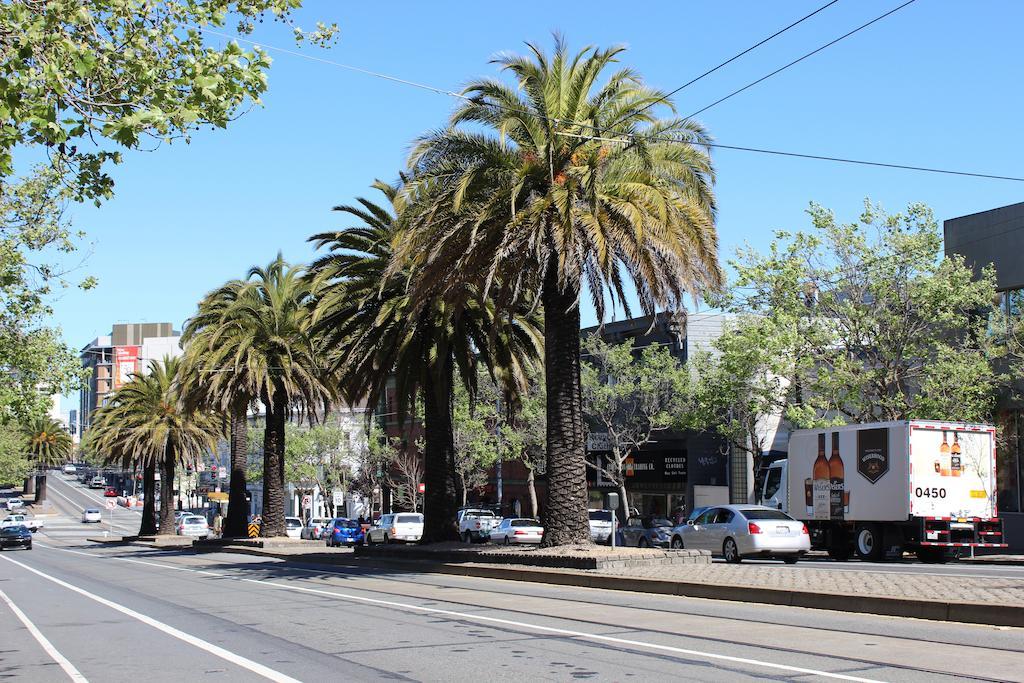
(90, 495)
(69, 668)
(508, 622)
(104, 513)
(227, 655)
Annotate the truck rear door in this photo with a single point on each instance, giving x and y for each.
(952, 471)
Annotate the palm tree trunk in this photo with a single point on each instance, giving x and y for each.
(30, 484)
(148, 525)
(440, 491)
(167, 466)
(273, 469)
(237, 522)
(565, 514)
(531, 486)
(41, 487)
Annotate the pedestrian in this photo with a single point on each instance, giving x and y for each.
(218, 524)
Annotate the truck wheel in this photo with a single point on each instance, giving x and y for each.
(730, 552)
(868, 543)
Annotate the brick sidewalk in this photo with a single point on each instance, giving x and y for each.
(853, 582)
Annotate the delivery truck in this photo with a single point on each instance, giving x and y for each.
(879, 490)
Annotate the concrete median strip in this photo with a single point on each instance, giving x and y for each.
(936, 610)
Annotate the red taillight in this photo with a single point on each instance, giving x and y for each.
(393, 532)
(753, 528)
(803, 529)
(520, 532)
(478, 525)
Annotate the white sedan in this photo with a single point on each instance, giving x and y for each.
(90, 515)
(517, 530)
(293, 527)
(15, 503)
(193, 525)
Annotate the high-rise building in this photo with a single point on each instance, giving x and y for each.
(115, 357)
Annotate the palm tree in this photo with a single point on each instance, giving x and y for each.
(210, 379)
(262, 337)
(106, 439)
(569, 183)
(147, 423)
(375, 336)
(49, 444)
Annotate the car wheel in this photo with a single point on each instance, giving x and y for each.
(730, 552)
(868, 544)
(386, 539)
(507, 541)
(465, 537)
(677, 543)
(642, 543)
(28, 547)
(790, 560)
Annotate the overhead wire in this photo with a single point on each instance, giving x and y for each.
(800, 59)
(664, 98)
(628, 137)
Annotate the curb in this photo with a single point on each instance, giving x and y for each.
(933, 610)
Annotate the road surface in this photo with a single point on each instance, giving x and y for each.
(75, 611)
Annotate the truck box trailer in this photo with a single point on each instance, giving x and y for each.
(880, 489)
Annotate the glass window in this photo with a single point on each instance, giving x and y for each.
(525, 522)
(724, 516)
(408, 519)
(772, 482)
(765, 514)
(707, 517)
(658, 522)
(601, 515)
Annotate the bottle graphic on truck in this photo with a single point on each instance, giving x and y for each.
(822, 483)
(838, 498)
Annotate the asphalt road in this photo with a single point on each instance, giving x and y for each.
(118, 613)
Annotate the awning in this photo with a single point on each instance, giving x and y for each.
(217, 497)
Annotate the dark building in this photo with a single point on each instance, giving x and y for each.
(996, 237)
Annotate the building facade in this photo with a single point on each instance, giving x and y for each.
(996, 237)
(114, 357)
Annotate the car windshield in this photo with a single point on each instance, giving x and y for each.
(660, 521)
(601, 515)
(479, 513)
(346, 524)
(525, 522)
(317, 522)
(292, 523)
(765, 514)
(16, 529)
(194, 520)
(92, 511)
(408, 519)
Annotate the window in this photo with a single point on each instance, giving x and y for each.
(765, 514)
(658, 522)
(634, 521)
(772, 482)
(707, 517)
(408, 519)
(724, 516)
(601, 515)
(525, 522)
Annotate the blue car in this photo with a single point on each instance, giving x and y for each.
(14, 536)
(341, 531)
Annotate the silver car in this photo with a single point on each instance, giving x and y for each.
(517, 530)
(600, 525)
(739, 531)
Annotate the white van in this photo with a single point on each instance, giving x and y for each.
(402, 527)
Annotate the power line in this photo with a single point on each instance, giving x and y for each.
(818, 157)
(800, 59)
(732, 59)
(628, 136)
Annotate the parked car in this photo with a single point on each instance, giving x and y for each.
(193, 525)
(14, 536)
(600, 525)
(738, 531)
(517, 530)
(315, 528)
(475, 524)
(110, 492)
(24, 520)
(97, 482)
(646, 532)
(404, 527)
(90, 515)
(69, 469)
(293, 527)
(342, 531)
(15, 503)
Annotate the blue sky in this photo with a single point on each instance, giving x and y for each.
(936, 84)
